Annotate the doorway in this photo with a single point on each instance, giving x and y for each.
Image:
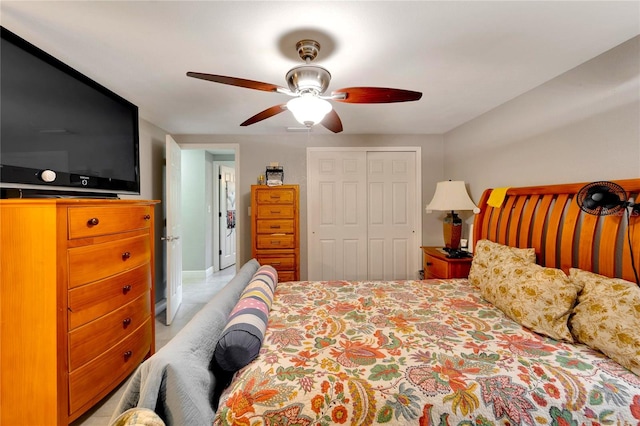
(226, 213)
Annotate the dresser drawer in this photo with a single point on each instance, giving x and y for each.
(94, 300)
(275, 212)
(276, 196)
(286, 276)
(93, 221)
(279, 262)
(275, 241)
(435, 268)
(97, 376)
(97, 261)
(286, 226)
(96, 337)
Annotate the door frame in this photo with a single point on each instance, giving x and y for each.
(418, 211)
(239, 205)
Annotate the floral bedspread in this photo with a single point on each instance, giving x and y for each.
(418, 353)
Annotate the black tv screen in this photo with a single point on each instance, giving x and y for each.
(60, 130)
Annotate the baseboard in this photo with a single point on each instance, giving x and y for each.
(197, 275)
(161, 306)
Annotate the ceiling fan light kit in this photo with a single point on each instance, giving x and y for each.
(309, 109)
(307, 85)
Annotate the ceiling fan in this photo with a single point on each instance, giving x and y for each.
(307, 85)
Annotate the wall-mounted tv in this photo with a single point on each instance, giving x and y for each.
(61, 132)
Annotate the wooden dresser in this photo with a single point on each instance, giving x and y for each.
(275, 233)
(77, 307)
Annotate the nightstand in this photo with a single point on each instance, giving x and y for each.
(436, 264)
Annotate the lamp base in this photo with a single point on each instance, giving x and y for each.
(452, 230)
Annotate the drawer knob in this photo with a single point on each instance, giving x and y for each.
(126, 322)
(127, 355)
(93, 221)
(147, 217)
(275, 226)
(126, 289)
(429, 263)
(126, 255)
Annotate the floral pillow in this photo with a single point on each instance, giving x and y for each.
(607, 317)
(487, 252)
(536, 297)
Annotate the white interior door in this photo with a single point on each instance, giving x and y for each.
(227, 216)
(337, 192)
(173, 200)
(391, 226)
(363, 214)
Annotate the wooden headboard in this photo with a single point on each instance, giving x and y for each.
(548, 219)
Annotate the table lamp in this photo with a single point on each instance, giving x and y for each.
(451, 196)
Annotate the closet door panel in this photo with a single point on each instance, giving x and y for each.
(337, 215)
(362, 215)
(391, 178)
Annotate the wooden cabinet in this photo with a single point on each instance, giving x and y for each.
(436, 264)
(77, 307)
(275, 233)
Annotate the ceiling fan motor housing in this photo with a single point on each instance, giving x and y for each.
(308, 78)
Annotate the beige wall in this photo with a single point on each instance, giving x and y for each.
(582, 126)
(256, 152)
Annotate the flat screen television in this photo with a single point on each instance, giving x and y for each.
(61, 132)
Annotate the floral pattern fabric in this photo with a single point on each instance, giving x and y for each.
(608, 317)
(539, 298)
(418, 353)
(488, 253)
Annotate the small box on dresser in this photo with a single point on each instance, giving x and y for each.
(436, 264)
(275, 233)
(77, 307)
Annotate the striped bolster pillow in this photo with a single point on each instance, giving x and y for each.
(241, 339)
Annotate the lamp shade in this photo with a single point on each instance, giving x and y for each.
(450, 196)
(309, 109)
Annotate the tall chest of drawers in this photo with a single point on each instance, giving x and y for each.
(77, 303)
(275, 233)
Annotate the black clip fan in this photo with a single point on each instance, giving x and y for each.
(602, 198)
(606, 198)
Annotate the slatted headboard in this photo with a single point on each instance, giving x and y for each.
(548, 219)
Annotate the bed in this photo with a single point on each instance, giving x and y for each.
(438, 352)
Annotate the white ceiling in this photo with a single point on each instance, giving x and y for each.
(465, 57)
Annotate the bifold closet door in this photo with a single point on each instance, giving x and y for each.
(361, 215)
(391, 221)
(337, 192)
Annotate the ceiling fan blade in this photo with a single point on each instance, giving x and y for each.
(269, 112)
(234, 81)
(374, 95)
(332, 122)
